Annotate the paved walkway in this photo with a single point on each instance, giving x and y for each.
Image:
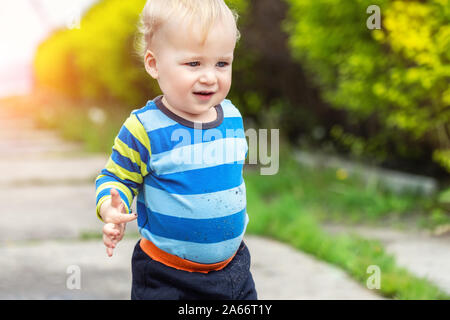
(47, 197)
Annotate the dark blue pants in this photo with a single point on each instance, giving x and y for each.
(153, 280)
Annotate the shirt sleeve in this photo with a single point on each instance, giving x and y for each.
(127, 165)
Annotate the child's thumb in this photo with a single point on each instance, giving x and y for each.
(115, 198)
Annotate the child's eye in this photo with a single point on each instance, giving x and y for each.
(193, 64)
(222, 64)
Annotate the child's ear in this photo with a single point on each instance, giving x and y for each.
(150, 64)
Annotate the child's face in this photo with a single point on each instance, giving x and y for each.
(194, 77)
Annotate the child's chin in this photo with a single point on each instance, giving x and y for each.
(200, 110)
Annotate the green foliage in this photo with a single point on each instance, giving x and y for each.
(443, 201)
(442, 157)
(334, 194)
(399, 73)
(444, 196)
(239, 6)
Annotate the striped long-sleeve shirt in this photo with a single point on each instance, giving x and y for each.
(191, 199)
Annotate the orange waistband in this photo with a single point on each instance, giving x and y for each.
(179, 263)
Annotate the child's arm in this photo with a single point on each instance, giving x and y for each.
(119, 181)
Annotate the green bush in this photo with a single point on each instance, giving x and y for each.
(398, 74)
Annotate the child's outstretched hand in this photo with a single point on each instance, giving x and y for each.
(113, 213)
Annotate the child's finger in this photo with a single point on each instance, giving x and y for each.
(115, 198)
(110, 230)
(110, 245)
(123, 218)
(108, 241)
(109, 252)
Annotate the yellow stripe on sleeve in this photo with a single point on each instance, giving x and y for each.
(138, 131)
(131, 154)
(123, 173)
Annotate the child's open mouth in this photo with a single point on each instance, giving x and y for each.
(204, 95)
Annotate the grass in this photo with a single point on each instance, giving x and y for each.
(345, 198)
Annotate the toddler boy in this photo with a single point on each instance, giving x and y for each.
(182, 155)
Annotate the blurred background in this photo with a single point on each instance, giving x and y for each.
(363, 113)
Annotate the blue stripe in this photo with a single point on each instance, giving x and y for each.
(108, 178)
(197, 252)
(142, 213)
(102, 180)
(194, 230)
(125, 162)
(133, 143)
(175, 136)
(199, 181)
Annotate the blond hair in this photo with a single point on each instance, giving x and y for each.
(203, 12)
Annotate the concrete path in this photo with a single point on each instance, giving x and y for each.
(48, 203)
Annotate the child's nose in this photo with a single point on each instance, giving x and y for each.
(208, 77)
